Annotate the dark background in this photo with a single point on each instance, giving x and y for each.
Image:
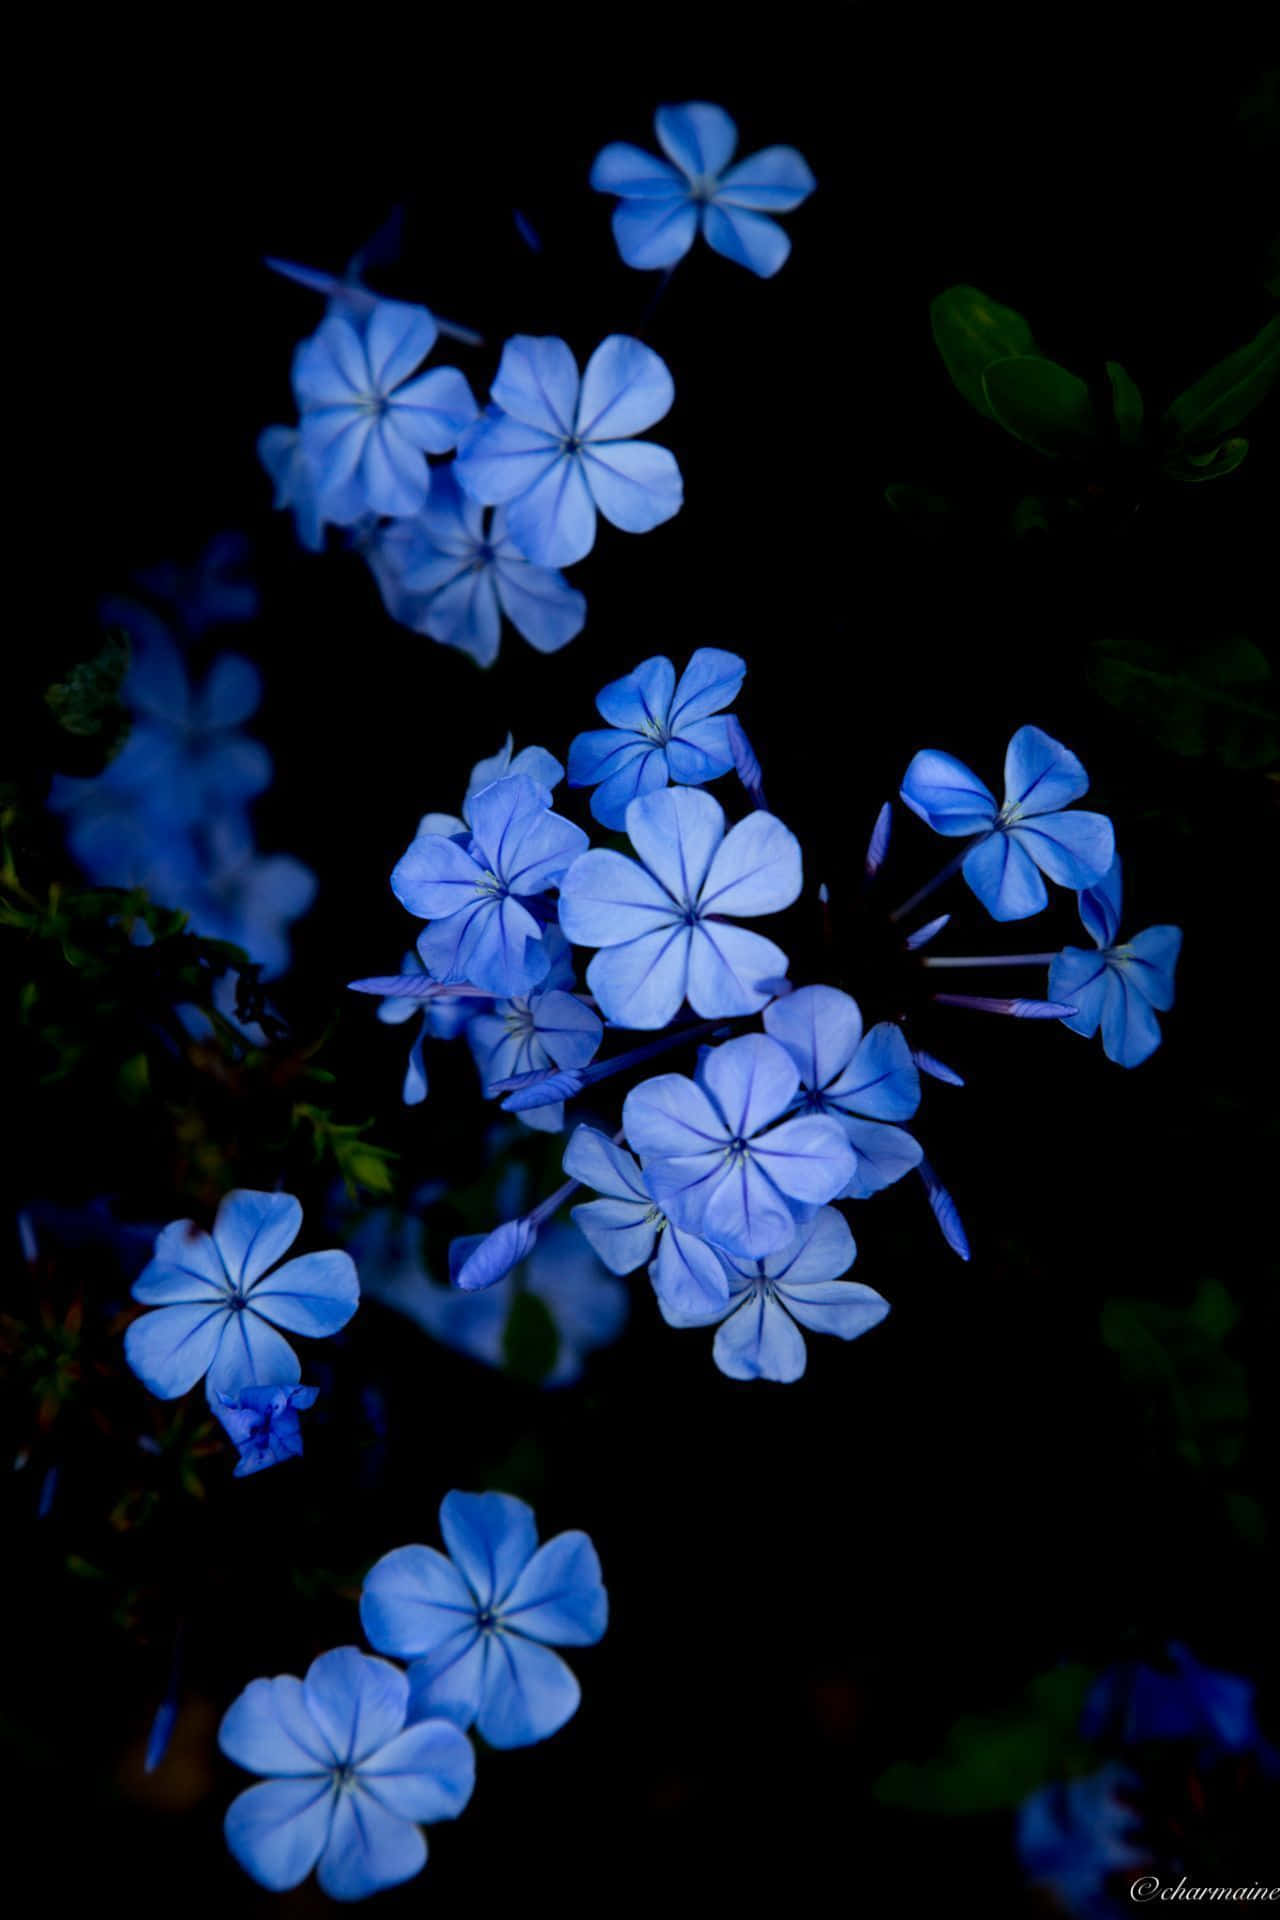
(807, 1583)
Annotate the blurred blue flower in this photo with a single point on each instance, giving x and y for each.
(448, 575)
(624, 1225)
(658, 731)
(477, 897)
(1072, 1836)
(1026, 836)
(479, 1625)
(771, 1299)
(263, 1423)
(588, 1306)
(868, 1081)
(663, 203)
(553, 447)
(365, 423)
(236, 893)
(1136, 1702)
(216, 591)
(220, 1299)
(550, 1027)
(662, 927)
(296, 478)
(716, 1162)
(1120, 987)
(348, 1781)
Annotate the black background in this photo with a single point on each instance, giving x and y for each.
(809, 1582)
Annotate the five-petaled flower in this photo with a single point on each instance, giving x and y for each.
(349, 1780)
(663, 927)
(554, 446)
(1026, 836)
(365, 424)
(625, 1222)
(769, 1300)
(550, 1027)
(658, 731)
(476, 892)
(868, 1081)
(716, 1162)
(479, 1624)
(220, 1299)
(1122, 986)
(662, 204)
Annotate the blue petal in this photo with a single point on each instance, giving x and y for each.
(689, 1278)
(540, 604)
(634, 174)
(397, 338)
(698, 137)
(450, 1681)
(369, 1848)
(529, 1693)
(730, 969)
(173, 1347)
(357, 1701)
(1101, 906)
(671, 1115)
(278, 1830)
(1148, 961)
(477, 1261)
(711, 681)
(559, 1596)
(598, 1162)
(499, 458)
(655, 232)
(642, 983)
(185, 1269)
(1005, 878)
(759, 1341)
(884, 1153)
(751, 1080)
(434, 412)
(641, 699)
(414, 1600)
(947, 796)
(1075, 849)
(1040, 774)
(537, 384)
(268, 1729)
(703, 751)
(636, 485)
(253, 1230)
(809, 1159)
(753, 240)
(250, 1353)
(607, 900)
(314, 1294)
(553, 521)
(820, 1027)
(756, 869)
(1078, 979)
(626, 387)
(425, 1773)
(773, 181)
(436, 877)
(491, 1538)
(1130, 1030)
(881, 1081)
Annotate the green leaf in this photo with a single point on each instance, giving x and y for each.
(1210, 704)
(1126, 403)
(1040, 403)
(87, 703)
(972, 331)
(1229, 392)
(1213, 465)
(993, 1762)
(530, 1340)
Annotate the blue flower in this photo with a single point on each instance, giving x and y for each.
(348, 1782)
(1072, 1836)
(297, 481)
(246, 897)
(547, 1028)
(479, 1625)
(867, 1081)
(1028, 835)
(215, 592)
(661, 206)
(554, 447)
(1135, 1702)
(715, 1161)
(475, 896)
(770, 1299)
(623, 1226)
(221, 1297)
(588, 1306)
(448, 575)
(1119, 988)
(365, 423)
(658, 731)
(663, 927)
(437, 1019)
(263, 1422)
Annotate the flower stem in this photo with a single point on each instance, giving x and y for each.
(988, 960)
(931, 886)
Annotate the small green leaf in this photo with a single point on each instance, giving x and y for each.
(1040, 403)
(972, 331)
(1213, 465)
(530, 1340)
(1126, 403)
(87, 703)
(1229, 392)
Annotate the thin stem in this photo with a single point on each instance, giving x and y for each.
(988, 959)
(931, 886)
(450, 329)
(653, 300)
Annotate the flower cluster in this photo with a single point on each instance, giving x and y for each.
(457, 548)
(360, 1754)
(171, 811)
(727, 1183)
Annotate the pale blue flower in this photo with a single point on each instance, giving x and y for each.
(1074, 1835)
(1124, 984)
(478, 896)
(716, 1161)
(437, 1019)
(664, 926)
(480, 1624)
(626, 1222)
(1029, 834)
(549, 1027)
(297, 479)
(663, 204)
(348, 1781)
(366, 424)
(554, 446)
(448, 574)
(771, 1299)
(658, 731)
(263, 1423)
(868, 1081)
(221, 1299)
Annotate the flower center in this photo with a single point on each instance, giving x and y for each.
(655, 730)
(570, 443)
(489, 886)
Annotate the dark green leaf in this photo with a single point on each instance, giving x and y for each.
(87, 703)
(972, 331)
(990, 1763)
(1040, 403)
(1126, 403)
(1212, 703)
(1207, 466)
(1229, 392)
(530, 1340)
